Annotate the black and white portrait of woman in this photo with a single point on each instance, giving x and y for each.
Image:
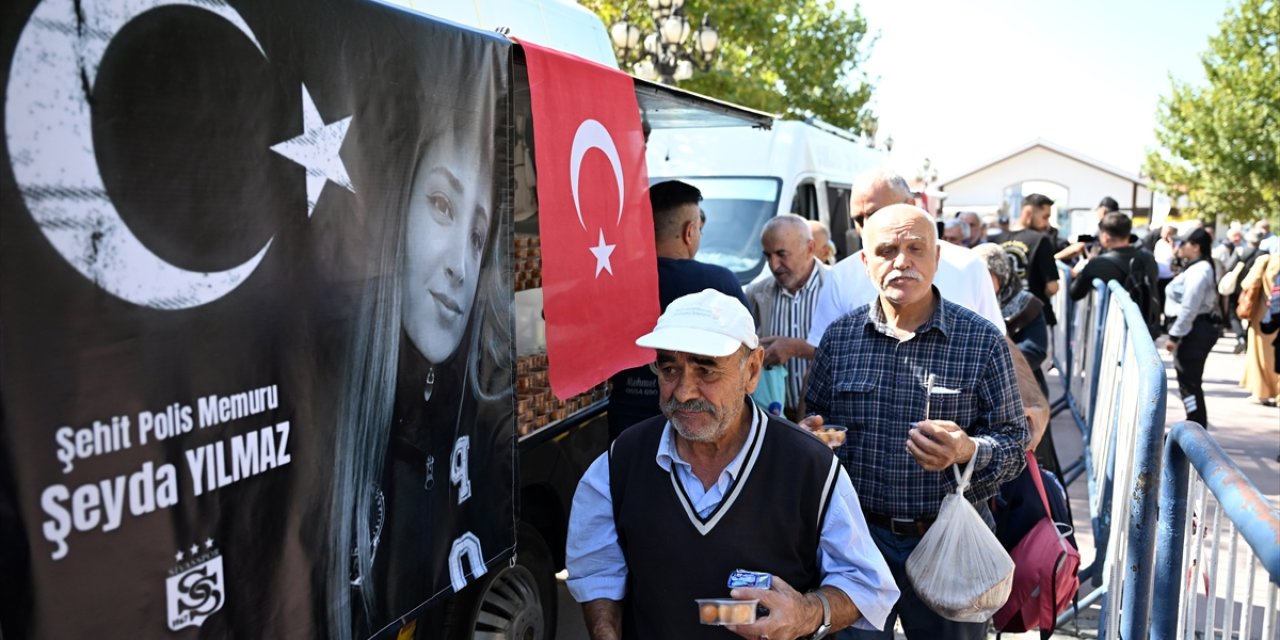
(425, 428)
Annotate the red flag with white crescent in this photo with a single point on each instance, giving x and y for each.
(599, 265)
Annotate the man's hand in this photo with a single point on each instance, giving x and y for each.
(779, 349)
(1171, 345)
(1072, 250)
(813, 423)
(938, 444)
(791, 613)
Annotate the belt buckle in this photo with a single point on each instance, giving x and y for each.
(909, 527)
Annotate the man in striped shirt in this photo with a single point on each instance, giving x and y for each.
(782, 306)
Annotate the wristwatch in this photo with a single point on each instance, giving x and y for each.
(825, 627)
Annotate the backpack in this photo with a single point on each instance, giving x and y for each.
(1046, 574)
(1141, 290)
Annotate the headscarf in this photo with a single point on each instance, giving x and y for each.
(1018, 306)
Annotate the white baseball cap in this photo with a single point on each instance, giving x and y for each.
(707, 323)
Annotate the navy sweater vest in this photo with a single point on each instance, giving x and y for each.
(770, 520)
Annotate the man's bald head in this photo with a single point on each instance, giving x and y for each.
(875, 190)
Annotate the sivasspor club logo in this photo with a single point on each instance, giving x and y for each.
(195, 587)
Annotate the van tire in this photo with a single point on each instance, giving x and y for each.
(516, 602)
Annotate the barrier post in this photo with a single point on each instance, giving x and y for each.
(1062, 346)
(1142, 488)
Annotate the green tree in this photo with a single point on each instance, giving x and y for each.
(798, 58)
(1220, 143)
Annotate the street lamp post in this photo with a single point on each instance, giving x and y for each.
(672, 50)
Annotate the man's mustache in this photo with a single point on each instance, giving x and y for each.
(671, 406)
(901, 273)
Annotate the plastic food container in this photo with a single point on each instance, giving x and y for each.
(832, 434)
(722, 611)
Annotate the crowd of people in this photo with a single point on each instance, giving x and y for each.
(1188, 286)
(927, 347)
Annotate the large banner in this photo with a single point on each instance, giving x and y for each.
(255, 317)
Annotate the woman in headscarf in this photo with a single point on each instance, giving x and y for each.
(1023, 312)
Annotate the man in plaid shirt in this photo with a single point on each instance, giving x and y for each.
(870, 375)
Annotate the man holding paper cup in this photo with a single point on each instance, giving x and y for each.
(872, 373)
(713, 485)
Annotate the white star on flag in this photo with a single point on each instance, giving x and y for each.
(178, 556)
(317, 150)
(602, 252)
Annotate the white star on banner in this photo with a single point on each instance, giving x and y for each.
(602, 252)
(178, 556)
(208, 543)
(195, 549)
(317, 150)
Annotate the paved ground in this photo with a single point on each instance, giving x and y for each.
(1249, 433)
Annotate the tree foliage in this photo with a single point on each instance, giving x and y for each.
(798, 58)
(1220, 143)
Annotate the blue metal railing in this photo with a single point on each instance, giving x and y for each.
(1189, 447)
(1122, 392)
(1131, 566)
(1116, 390)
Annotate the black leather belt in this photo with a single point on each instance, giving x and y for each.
(907, 527)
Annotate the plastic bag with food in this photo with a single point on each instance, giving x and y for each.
(959, 568)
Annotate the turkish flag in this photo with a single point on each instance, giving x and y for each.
(599, 265)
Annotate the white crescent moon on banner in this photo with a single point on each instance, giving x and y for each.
(593, 135)
(49, 131)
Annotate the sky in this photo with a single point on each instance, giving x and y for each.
(965, 82)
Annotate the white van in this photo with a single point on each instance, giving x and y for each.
(750, 175)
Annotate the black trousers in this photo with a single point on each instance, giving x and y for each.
(1188, 360)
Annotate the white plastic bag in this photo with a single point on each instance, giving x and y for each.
(959, 568)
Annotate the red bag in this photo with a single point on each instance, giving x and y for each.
(1045, 577)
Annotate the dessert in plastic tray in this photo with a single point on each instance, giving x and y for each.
(722, 611)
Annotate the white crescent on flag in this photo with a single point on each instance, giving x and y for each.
(593, 135)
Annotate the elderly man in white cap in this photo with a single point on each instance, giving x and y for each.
(712, 485)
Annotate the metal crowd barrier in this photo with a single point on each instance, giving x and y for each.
(1192, 561)
(1083, 352)
(1120, 386)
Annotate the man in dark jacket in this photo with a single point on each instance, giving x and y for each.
(1132, 266)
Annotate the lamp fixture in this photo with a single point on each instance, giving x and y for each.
(672, 50)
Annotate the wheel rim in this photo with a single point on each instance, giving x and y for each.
(511, 608)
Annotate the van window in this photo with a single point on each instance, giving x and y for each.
(805, 202)
(838, 218)
(736, 209)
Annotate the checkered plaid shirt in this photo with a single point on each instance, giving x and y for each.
(867, 380)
